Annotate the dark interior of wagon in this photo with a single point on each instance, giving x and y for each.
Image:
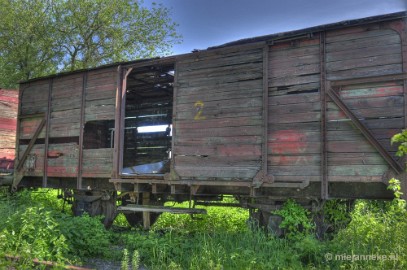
(148, 120)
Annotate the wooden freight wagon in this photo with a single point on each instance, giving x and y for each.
(306, 114)
(8, 126)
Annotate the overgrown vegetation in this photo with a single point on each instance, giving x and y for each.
(369, 235)
(34, 227)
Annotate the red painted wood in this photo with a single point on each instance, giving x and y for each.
(8, 128)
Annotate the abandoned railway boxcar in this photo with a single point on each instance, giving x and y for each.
(8, 126)
(306, 114)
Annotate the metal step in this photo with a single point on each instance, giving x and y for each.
(159, 209)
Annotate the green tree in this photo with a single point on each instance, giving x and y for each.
(26, 41)
(40, 37)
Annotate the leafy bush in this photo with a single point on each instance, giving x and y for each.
(33, 234)
(376, 228)
(296, 220)
(86, 236)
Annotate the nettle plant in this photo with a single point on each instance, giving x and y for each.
(394, 184)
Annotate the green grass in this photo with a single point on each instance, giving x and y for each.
(32, 225)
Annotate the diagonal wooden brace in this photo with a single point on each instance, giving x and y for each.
(31, 144)
(365, 131)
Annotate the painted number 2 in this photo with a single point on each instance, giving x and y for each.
(199, 105)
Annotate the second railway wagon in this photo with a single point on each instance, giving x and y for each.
(306, 114)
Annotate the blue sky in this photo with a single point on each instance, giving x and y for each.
(206, 23)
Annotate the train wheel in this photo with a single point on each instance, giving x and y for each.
(267, 221)
(96, 203)
(136, 219)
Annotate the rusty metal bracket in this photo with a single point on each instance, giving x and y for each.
(261, 178)
(365, 131)
(31, 144)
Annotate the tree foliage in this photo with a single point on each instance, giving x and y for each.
(40, 37)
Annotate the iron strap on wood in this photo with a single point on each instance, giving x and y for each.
(383, 152)
(31, 144)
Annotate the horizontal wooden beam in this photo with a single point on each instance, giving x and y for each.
(159, 209)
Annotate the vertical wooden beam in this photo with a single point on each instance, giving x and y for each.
(47, 131)
(400, 26)
(122, 123)
(116, 152)
(263, 175)
(323, 139)
(146, 215)
(81, 131)
(17, 176)
(265, 108)
(174, 121)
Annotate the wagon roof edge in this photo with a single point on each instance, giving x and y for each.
(314, 29)
(271, 37)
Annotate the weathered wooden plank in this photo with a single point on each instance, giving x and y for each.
(370, 102)
(218, 123)
(236, 87)
(292, 80)
(353, 29)
(384, 123)
(292, 90)
(293, 135)
(219, 150)
(100, 88)
(294, 117)
(100, 95)
(291, 53)
(202, 61)
(205, 140)
(363, 43)
(365, 72)
(294, 108)
(28, 127)
(215, 161)
(372, 92)
(355, 159)
(229, 78)
(350, 147)
(98, 112)
(357, 178)
(64, 129)
(289, 45)
(222, 96)
(358, 170)
(294, 160)
(217, 172)
(363, 52)
(294, 170)
(219, 132)
(217, 72)
(293, 99)
(358, 62)
(304, 127)
(295, 70)
(94, 81)
(293, 148)
(355, 37)
(217, 112)
(370, 113)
